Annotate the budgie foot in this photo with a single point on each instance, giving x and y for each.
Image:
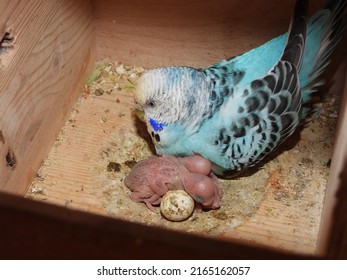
(151, 178)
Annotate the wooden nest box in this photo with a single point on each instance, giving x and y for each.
(48, 50)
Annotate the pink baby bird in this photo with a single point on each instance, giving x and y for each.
(151, 178)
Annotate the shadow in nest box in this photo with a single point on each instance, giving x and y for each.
(337, 248)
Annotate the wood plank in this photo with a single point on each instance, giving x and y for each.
(195, 33)
(41, 75)
(35, 230)
(333, 231)
(70, 171)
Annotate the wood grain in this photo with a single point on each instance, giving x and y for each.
(40, 77)
(35, 230)
(333, 231)
(197, 33)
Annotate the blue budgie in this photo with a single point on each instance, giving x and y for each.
(240, 109)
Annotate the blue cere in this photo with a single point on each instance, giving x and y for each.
(156, 126)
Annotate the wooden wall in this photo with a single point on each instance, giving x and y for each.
(42, 70)
(156, 33)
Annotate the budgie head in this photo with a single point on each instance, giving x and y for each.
(173, 101)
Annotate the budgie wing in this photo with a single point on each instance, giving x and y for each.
(263, 112)
(256, 119)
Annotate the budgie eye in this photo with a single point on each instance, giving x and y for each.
(151, 103)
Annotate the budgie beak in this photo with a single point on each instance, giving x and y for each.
(140, 100)
(140, 114)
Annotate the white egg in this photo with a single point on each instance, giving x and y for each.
(176, 205)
